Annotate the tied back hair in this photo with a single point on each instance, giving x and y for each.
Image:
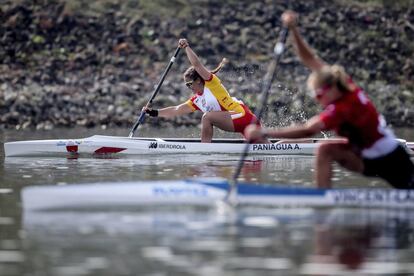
(192, 74)
(220, 66)
(330, 75)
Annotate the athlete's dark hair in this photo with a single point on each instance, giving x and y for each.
(191, 73)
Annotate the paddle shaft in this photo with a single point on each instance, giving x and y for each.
(278, 50)
(157, 88)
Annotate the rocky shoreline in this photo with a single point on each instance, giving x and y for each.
(64, 65)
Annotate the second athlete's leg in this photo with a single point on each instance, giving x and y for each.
(341, 153)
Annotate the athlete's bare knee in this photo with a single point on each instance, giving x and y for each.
(206, 118)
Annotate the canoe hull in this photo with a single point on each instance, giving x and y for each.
(203, 192)
(117, 145)
(100, 145)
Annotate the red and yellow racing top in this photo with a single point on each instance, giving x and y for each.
(216, 98)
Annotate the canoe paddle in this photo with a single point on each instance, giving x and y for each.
(142, 114)
(270, 77)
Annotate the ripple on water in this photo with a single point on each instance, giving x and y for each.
(215, 245)
(157, 252)
(256, 242)
(10, 269)
(261, 221)
(70, 271)
(6, 221)
(5, 191)
(9, 245)
(11, 256)
(94, 263)
(255, 263)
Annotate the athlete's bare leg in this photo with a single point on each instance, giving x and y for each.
(220, 119)
(339, 152)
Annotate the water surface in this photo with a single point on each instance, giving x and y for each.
(192, 241)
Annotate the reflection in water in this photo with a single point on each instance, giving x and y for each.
(11, 257)
(248, 241)
(364, 242)
(52, 170)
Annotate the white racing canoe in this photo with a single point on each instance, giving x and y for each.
(98, 145)
(117, 145)
(205, 192)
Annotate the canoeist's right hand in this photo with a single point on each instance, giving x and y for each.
(150, 111)
(290, 19)
(183, 43)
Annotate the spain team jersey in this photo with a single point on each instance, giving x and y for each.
(215, 98)
(354, 116)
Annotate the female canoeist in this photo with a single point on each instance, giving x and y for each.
(210, 97)
(369, 148)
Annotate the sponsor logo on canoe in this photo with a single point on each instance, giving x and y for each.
(69, 143)
(350, 196)
(71, 146)
(155, 145)
(163, 191)
(61, 144)
(171, 146)
(282, 146)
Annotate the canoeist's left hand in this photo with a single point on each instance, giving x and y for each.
(183, 43)
(150, 111)
(290, 19)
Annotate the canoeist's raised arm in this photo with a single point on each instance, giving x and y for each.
(194, 60)
(303, 50)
